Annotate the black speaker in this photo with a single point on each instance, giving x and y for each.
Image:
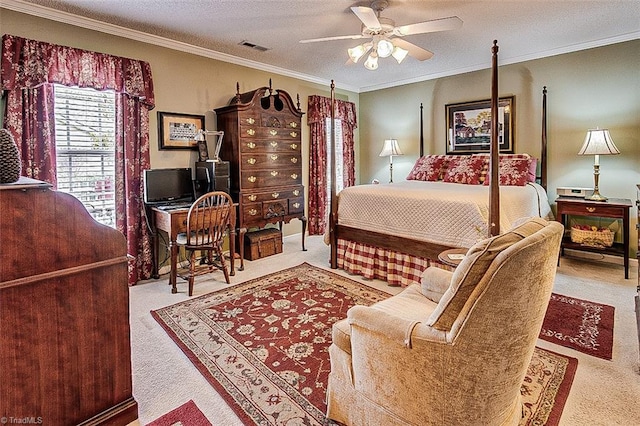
(211, 176)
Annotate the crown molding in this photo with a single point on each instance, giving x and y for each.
(512, 60)
(95, 25)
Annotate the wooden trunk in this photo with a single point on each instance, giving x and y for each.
(64, 312)
(262, 243)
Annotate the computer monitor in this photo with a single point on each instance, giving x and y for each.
(167, 185)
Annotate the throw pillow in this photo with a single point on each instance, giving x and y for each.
(427, 168)
(471, 270)
(464, 170)
(533, 165)
(512, 171)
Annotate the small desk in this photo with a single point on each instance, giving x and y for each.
(174, 222)
(616, 208)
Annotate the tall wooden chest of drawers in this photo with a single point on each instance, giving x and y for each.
(262, 142)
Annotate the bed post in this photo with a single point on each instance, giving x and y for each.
(421, 133)
(333, 239)
(543, 153)
(494, 165)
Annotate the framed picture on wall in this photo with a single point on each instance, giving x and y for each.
(469, 126)
(178, 131)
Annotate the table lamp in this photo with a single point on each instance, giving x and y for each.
(597, 142)
(390, 149)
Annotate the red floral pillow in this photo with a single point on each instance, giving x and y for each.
(513, 171)
(464, 170)
(427, 168)
(533, 163)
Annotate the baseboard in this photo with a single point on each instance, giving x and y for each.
(602, 257)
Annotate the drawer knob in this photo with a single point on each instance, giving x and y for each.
(293, 124)
(273, 132)
(251, 160)
(251, 132)
(252, 179)
(251, 120)
(293, 134)
(274, 157)
(274, 173)
(296, 192)
(274, 144)
(251, 145)
(294, 176)
(294, 160)
(275, 194)
(252, 197)
(253, 212)
(294, 146)
(591, 209)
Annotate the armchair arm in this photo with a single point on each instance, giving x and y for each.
(392, 328)
(393, 357)
(435, 282)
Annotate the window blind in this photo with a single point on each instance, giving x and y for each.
(85, 148)
(339, 155)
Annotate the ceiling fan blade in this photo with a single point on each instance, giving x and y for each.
(345, 37)
(367, 16)
(417, 52)
(444, 24)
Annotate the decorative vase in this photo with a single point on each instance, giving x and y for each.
(10, 165)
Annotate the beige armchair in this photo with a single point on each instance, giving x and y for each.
(453, 350)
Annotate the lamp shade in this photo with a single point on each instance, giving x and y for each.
(390, 147)
(598, 142)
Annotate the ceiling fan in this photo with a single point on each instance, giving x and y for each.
(386, 37)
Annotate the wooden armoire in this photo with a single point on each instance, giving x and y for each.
(64, 312)
(262, 142)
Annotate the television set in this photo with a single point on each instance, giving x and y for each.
(162, 186)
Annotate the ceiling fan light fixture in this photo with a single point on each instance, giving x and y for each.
(399, 54)
(385, 48)
(355, 53)
(372, 61)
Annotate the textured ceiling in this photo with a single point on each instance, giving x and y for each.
(525, 29)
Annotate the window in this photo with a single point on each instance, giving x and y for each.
(85, 148)
(339, 156)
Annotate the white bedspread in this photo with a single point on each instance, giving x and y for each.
(445, 213)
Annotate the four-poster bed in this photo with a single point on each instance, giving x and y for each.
(396, 241)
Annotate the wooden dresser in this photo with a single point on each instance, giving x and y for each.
(262, 142)
(64, 312)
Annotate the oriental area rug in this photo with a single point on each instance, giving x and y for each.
(579, 324)
(263, 345)
(188, 414)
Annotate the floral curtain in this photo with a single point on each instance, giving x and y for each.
(319, 109)
(29, 70)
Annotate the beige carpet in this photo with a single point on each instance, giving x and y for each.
(603, 393)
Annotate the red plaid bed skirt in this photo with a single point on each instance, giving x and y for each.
(397, 269)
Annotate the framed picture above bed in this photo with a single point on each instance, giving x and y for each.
(469, 126)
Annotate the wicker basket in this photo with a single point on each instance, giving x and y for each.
(601, 238)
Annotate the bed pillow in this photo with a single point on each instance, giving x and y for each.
(464, 169)
(427, 168)
(512, 172)
(533, 165)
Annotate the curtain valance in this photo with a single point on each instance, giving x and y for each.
(319, 109)
(27, 64)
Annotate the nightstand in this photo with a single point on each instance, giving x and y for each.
(616, 208)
